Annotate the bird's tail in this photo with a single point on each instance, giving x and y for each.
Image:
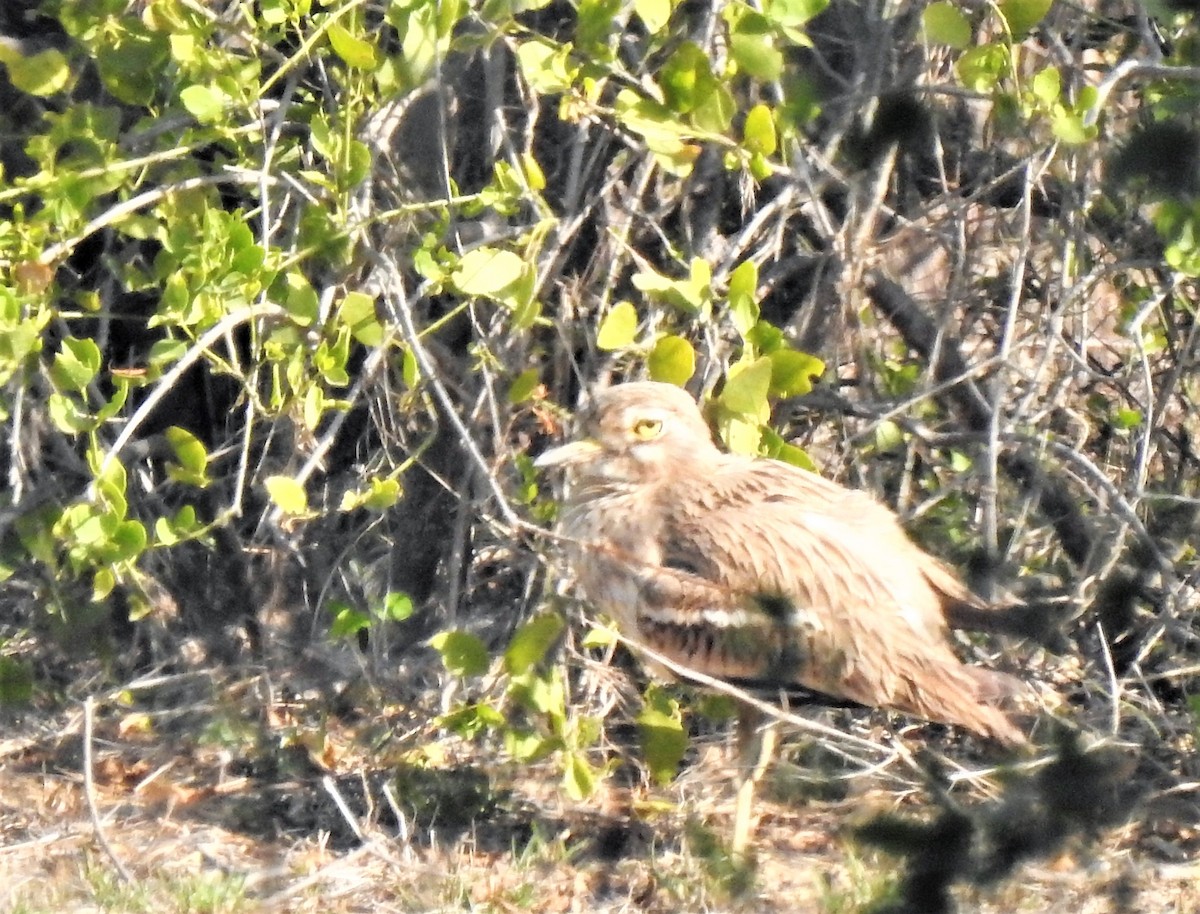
(968, 696)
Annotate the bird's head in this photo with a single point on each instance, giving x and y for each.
(639, 432)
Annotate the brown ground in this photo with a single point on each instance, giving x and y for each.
(220, 791)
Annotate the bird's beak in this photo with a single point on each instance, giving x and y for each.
(568, 454)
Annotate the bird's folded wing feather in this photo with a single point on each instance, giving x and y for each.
(827, 579)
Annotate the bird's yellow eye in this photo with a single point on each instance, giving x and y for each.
(645, 429)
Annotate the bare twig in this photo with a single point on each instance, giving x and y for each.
(89, 792)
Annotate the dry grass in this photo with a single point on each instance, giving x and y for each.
(223, 791)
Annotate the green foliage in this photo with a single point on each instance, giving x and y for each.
(16, 682)
(171, 155)
(247, 287)
(537, 719)
(664, 739)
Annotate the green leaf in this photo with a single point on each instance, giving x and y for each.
(982, 68)
(1068, 126)
(205, 103)
(41, 74)
(753, 47)
(1047, 85)
(471, 720)
(945, 23)
(300, 299)
(1023, 15)
(191, 455)
(599, 638)
(68, 415)
(655, 14)
(410, 371)
(448, 14)
(1126, 418)
(531, 641)
(526, 747)
(169, 531)
(747, 386)
(665, 136)
(128, 541)
(618, 328)
(889, 437)
(793, 373)
(76, 364)
(487, 272)
(686, 78)
(347, 621)
(773, 444)
(16, 682)
(758, 133)
(358, 313)
(131, 60)
(594, 25)
(690, 295)
(743, 306)
(524, 385)
(672, 360)
(462, 653)
(579, 778)
(546, 67)
(382, 493)
(356, 52)
(544, 694)
(664, 741)
(793, 13)
(521, 297)
(287, 494)
(397, 606)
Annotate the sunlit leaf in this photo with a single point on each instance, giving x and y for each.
(654, 13)
(191, 457)
(397, 606)
(286, 494)
(462, 653)
(751, 44)
(663, 738)
(1023, 15)
(524, 385)
(1047, 85)
(76, 364)
(579, 778)
(793, 373)
(743, 306)
(486, 271)
(672, 360)
(531, 641)
(42, 74)
(758, 133)
(358, 313)
(618, 328)
(204, 103)
(599, 637)
(545, 66)
(347, 621)
(945, 23)
(747, 386)
(355, 51)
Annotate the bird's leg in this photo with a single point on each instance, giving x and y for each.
(756, 746)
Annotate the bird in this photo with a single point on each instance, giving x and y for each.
(762, 574)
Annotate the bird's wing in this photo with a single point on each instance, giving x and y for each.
(826, 580)
(768, 525)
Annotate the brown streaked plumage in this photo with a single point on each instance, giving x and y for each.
(753, 570)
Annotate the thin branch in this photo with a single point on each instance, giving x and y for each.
(89, 793)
